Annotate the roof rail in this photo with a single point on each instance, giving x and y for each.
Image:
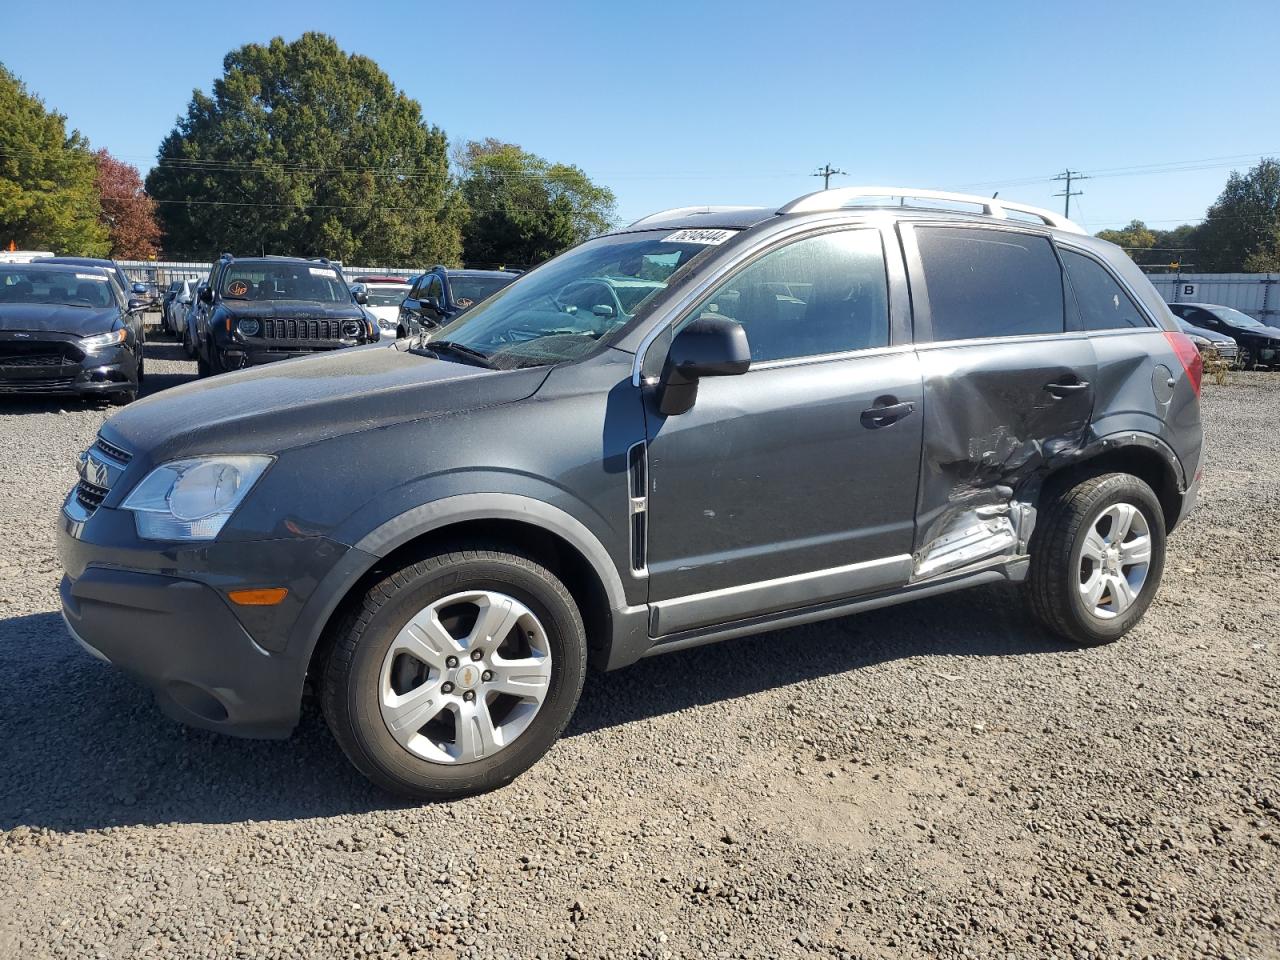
(842, 197)
(686, 211)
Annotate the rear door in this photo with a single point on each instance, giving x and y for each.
(1007, 387)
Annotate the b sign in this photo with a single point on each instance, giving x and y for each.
(1188, 290)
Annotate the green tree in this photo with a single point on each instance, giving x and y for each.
(523, 209)
(1241, 231)
(1150, 247)
(48, 200)
(302, 149)
(1135, 237)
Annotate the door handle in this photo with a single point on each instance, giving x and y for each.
(884, 414)
(1060, 390)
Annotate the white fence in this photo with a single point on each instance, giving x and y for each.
(1257, 294)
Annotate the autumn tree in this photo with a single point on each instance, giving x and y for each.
(304, 149)
(127, 212)
(523, 209)
(47, 196)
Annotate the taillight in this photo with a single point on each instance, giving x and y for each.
(1189, 356)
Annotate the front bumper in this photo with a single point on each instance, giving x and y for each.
(161, 612)
(58, 366)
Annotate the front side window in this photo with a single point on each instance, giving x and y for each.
(569, 306)
(1103, 304)
(990, 283)
(820, 295)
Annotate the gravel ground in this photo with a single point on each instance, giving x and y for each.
(940, 779)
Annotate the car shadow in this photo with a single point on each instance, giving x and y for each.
(86, 748)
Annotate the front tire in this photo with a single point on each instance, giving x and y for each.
(455, 674)
(1097, 556)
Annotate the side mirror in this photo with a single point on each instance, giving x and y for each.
(206, 295)
(135, 304)
(432, 304)
(709, 347)
(602, 310)
(362, 298)
(140, 288)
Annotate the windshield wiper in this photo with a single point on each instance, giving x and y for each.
(469, 354)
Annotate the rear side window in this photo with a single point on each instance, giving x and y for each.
(989, 283)
(1102, 302)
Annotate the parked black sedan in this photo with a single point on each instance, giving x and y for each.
(1257, 342)
(69, 330)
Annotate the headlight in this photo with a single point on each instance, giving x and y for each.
(192, 499)
(100, 340)
(351, 328)
(249, 328)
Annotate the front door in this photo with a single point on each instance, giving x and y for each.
(795, 483)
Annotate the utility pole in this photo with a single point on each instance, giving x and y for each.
(1069, 175)
(826, 172)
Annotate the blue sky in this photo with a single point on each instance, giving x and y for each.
(673, 103)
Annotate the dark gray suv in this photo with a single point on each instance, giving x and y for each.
(715, 422)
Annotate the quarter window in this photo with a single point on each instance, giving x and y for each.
(1102, 302)
(990, 283)
(820, 295)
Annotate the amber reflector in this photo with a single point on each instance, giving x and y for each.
(267, 597)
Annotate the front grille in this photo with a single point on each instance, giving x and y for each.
(90, 495)
(282, 329)
(38, 353)
(33, 360)
(40, 385)
(111, 450)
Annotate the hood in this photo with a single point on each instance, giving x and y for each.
(295, 402)
(56, 318)
(293, 309)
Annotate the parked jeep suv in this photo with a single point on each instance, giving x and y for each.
(260, 309)
(853, 401)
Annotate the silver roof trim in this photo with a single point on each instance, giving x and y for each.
(842, 197)
(686, 212)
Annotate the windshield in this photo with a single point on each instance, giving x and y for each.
(272, 280)
(84, 287)
(570, 305)
(386, 295)
(1236, 318)
(468, 291)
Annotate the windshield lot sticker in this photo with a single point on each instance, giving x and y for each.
(321, 272)
(237, 288)
(91, 276)
(708, 237)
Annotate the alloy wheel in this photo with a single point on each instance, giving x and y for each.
(1114, 560)
(465, 677)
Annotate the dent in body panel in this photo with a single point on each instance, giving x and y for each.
(993, 427)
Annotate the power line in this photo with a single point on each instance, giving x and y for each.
(826, 172)
(1068, 175)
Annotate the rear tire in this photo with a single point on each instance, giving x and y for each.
(1088, 580)
(376, 648)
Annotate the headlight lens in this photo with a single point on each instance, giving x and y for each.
(192, 499)
(351, 328)
(100, 340)
(249, 328)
